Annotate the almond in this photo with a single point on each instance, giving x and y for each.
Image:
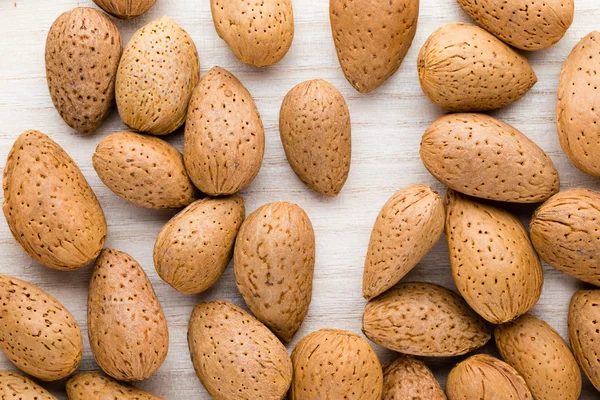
(274, 261)
(584, 317)
(564, 231)
(224, 135)
(91, 386)
(50, 209)
(485, 377)
(259, 33)
(406, 229)
(145, 170)
(334, 364)
(126, 325)
(194, 247)
(424, 319)
(18, 387)
(314, 124)
(157, 74)
(125, 9)
(541, 356)
(577, 119)
(494, 265)
(524, 24)
(235, 356)
(464, 68)
(372, 38)
(481, 156)
(83, 50)
(409, 378)
(37, 334)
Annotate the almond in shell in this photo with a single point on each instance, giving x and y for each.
(126, 326)
(464, 68)
(274, 260)
(97, 387)
(584, 333)
(424, 319)
(194, 247)
(224, 136)
(335, 364)
(409, 378)
(406, 229)
(19, 387)
(125, 9)
(37, 333)
(235, 356)
(50, 209)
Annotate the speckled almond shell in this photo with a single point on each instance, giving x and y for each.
(144, 170)
(541, 356)
(37, 334)
(51, 210)
(483, 157)
(157, 74)
(235, 356)
(409, 378)
(224, 135)
(424, 319)
(577, 118)
(334, 364)
(195, 247)
(126, 326)
(406, 229)
(584, 334)
(91, 386)
(83, 49)
(125, 9)
(481, 376)
(314, 125)
(259, 33)
(19, 387)
(372, 38)
(494, 264)
(524, 24)
(464, 68)
(564, 232)
(274, 261)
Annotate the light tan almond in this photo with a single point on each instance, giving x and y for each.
(409, 378)
(125, 9)
(91, 386)
(584, 332)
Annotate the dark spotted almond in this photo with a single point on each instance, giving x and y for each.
(91, 386)
(18, 387)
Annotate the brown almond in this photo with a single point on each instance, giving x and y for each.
(274, 261)
(83, 50)
(50, 209)
(224, 135)
(541, 356)
(194, 248)
(235, 356)
(409, 378)
(314, 124)
(524, 24)
(584, 333)
(464, 68)
(334, 364)
(125, 9)
(126, 326)
(578, 104)
(18, 387)
(372, 38)
(494, 265)
(157, 74)
(407, 227)
(485, 377)
(564, 231)
(259, 33)
(144, 170)
(481, 156)
(37, 334)
(91, 386)
(424, 319)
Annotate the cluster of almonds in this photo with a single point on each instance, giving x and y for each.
(55, 216)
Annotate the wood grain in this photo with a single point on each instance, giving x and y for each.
(387, 127)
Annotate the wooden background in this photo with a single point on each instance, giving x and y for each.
(387, 126)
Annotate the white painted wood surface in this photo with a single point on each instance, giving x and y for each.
(387, 127)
